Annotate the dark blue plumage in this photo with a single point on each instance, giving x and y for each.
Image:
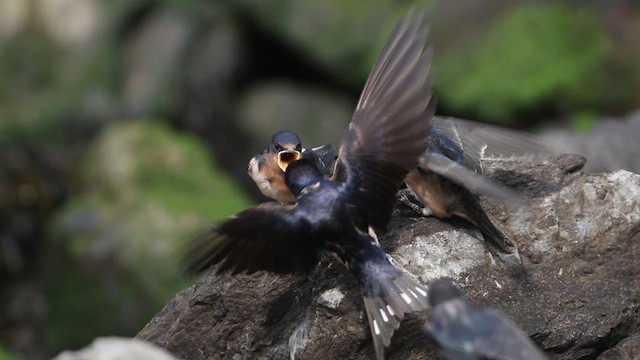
(341, 214)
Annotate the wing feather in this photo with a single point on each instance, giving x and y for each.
(482, 142)
(269, 236)
(389, 127)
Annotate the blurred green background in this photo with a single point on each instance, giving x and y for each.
(125, 126)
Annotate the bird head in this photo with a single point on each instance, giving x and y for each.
(300, 174)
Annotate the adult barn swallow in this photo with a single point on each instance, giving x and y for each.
(464, 332)
(341, 214)
(267, 168)
(449, 177)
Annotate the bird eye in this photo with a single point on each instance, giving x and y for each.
(299, 147)
(278, 147)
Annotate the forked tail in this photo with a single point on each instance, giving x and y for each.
(388, 294)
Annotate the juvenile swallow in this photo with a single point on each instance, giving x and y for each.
(267, 168)
(450, 176)
(341, 214)
(465, 333)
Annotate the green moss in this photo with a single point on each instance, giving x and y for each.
(6, 355)
(534, 54)
(41, 83)
(584, 121)
(147, 160)
(116, 258)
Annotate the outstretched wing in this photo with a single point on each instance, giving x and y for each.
(269, 236)
(473, 143)
(389, 127)
(473, 181)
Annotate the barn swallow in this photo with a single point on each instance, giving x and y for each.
(464, 332)
(341, 214)
(267, 168)
(449, 178)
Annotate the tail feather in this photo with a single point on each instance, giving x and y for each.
(476, 214)
(396, 296)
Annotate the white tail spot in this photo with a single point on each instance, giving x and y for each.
(384, 315)
(422, 292)
(414, 294)
(406, 298)
(376, 329)
(390, 310)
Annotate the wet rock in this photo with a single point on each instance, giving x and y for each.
(577, 291)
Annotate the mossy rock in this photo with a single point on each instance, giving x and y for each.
(116, 249)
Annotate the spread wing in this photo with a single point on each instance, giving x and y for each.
(459, 149)
(268, 236)
(475, 182)
(476, 142)
(389, 127)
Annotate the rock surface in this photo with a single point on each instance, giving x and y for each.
(577, 292)
(610, 144)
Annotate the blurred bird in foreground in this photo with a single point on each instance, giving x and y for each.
(267, 168)
(465, 333)
(341, 214)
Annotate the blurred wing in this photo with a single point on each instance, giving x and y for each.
(480, 142)
(460, 329)
(324, 157)
(388, 130)
(505, 340)
(269, 236)
(467, 178)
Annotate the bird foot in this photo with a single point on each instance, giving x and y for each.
(403, 197)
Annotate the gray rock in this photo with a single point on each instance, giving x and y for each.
(612, 144)
(285, 105)
(576, 293)
(114, 348)
(628, 348)
(72, 23)
(151, 61)
(13, 18)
